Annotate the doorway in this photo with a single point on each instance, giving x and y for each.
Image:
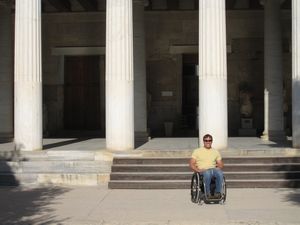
(82, 102)
(190, 95)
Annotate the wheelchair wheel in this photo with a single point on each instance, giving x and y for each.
(195, 189)
(224, 191)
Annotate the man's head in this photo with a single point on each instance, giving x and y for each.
(207, 140)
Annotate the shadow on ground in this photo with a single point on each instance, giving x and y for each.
(280, 144)
(20, 205)
(8, 166)
(31, 206)
(293, 195)
(62, 143)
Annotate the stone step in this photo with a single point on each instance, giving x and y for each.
(54, 155)
(188, 176)
(185, 167)
(226, 160)
(174, 173)
(55, 166)
(225, 153)
(86, 179)
(182, 184)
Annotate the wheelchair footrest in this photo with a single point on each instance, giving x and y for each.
(213, 197)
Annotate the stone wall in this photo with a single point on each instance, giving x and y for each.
(165, 29)
(6, 74)
(64, 30)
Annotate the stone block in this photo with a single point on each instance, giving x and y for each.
(186, 4)
(74, 179)
(65, 166)
(250, 132)
(159, 4)
(247, 123)
(10, 167)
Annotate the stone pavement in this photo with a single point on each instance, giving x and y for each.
(189, 143)
(99, 205)
(171, 147)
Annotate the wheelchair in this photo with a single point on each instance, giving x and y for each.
(198, 190)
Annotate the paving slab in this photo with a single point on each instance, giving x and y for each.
(99, 205)
(164, 147)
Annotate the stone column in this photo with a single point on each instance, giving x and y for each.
(296, 73)
(28, 75)
(140, 89)
(213, 72)
(119, 76)
(6, 72)
(273, 92)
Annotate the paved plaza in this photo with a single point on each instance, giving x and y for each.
(175, 143)
(99, 205)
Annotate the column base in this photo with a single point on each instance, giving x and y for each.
(274, 135)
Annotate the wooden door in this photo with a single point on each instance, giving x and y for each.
(82, 93)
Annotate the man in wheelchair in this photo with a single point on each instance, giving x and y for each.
(207, 162)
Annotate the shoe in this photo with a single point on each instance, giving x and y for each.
(217, 195)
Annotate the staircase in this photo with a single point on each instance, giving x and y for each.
(174, 173)
(54, 167)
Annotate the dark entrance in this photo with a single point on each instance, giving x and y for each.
(190, 94)
(82, 93)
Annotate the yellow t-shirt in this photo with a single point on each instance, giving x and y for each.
(206, 158)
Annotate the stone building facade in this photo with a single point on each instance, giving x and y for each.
(129, 69)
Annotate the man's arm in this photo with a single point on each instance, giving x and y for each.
(194, 167)
(220, 164)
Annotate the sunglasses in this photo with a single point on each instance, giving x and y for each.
(207, 140)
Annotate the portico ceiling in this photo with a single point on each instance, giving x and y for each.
(54, 6)
(99, 5)
(70, 5)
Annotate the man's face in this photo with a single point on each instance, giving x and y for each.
(207, 142)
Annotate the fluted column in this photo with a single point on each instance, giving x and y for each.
(273, 92)
(212, 71)
(296, 73)
(6, 71)
(28, 75)
(119, 75)
(140, 89)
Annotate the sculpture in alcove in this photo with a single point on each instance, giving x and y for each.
(246, 94)
(246, 110)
